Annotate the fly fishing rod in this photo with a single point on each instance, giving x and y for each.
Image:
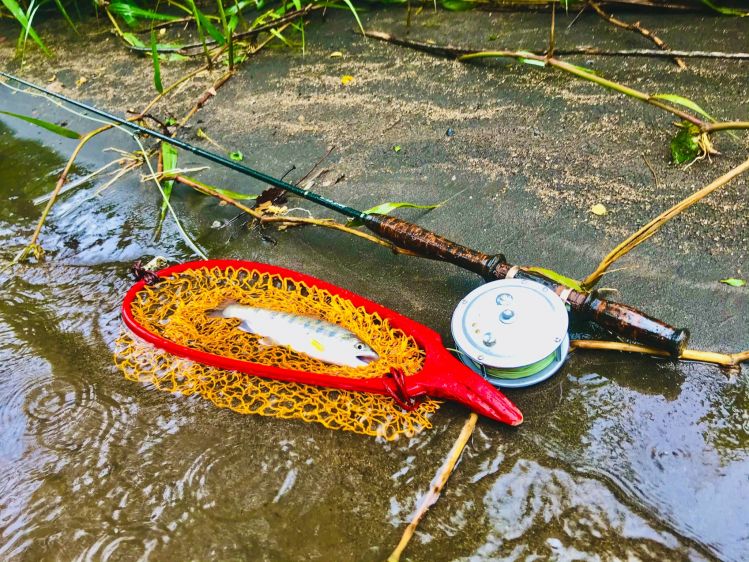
(623, 320)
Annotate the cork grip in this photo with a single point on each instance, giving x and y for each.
(430, 245)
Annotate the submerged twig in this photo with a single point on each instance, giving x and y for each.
(437, 485)
(722, 359)
(652, 227)
(636, 27)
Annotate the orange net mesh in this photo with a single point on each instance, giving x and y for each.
(176, 307)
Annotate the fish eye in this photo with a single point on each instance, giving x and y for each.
(359, 346)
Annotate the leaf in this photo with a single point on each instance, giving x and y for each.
(397, 148)
(685, 145)
(237, 156)
(346, 79)
(336, 55)
(156, 66)
(212, 30)
(531, 61)
(131, 13)
(725, 11)
(733, 282)
(236, 195)
(558, 277)
(356, 15)
(278, 35)
(599, 209)
(64, 13)
(386, 208)
(133, 40)
(457, 5)
(169, 163)
(19, 14)
(680, 100)
(57, 129)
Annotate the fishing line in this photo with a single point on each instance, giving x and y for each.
(213, 157)
(116, 124)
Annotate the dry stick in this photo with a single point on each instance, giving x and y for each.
(634, 27)
(585, 50)
(437, 485)
(652, 171)
(464, 55)
(652, 227)
(327, 223)
(552, 31)
(722, 359)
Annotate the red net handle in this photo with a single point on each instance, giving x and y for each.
(442, 376)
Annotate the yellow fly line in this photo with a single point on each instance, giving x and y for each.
(175, 309)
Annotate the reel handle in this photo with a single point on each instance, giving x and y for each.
(623, 320)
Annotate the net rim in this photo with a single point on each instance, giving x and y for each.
(425, 337)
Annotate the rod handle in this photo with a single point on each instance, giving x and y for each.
(430, 245)
(635, 325)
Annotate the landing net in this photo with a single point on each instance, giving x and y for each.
(175, 309)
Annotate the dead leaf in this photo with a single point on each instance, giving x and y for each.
(599, 209)
(81, 81)
(336, 55)
(346, 79)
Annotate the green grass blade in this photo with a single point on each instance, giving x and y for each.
(725, 11)
(235, 195)
(64, 13)
(18, 13)
(558, 277)
(212, 30)
(156, 66)
(169, 163)
(57, 129)
(279, 36)
(356, 15)
(680, 100)
(386, 208)
(131, 13)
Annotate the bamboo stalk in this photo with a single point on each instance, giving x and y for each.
(438, 483)
(722, 359)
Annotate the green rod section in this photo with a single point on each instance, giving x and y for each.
(212, 156)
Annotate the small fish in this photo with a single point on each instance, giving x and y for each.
(304, 334)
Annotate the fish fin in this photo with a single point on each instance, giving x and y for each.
(267, 341)
(218, 312)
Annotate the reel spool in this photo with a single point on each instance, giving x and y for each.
(513, 332)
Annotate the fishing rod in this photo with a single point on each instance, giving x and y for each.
(623, 320)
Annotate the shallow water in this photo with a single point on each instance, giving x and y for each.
(620, 457)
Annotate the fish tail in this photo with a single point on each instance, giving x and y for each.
(218, 312)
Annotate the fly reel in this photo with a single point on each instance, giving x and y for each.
(513, 332)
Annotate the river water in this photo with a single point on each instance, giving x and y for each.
(619, 458)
